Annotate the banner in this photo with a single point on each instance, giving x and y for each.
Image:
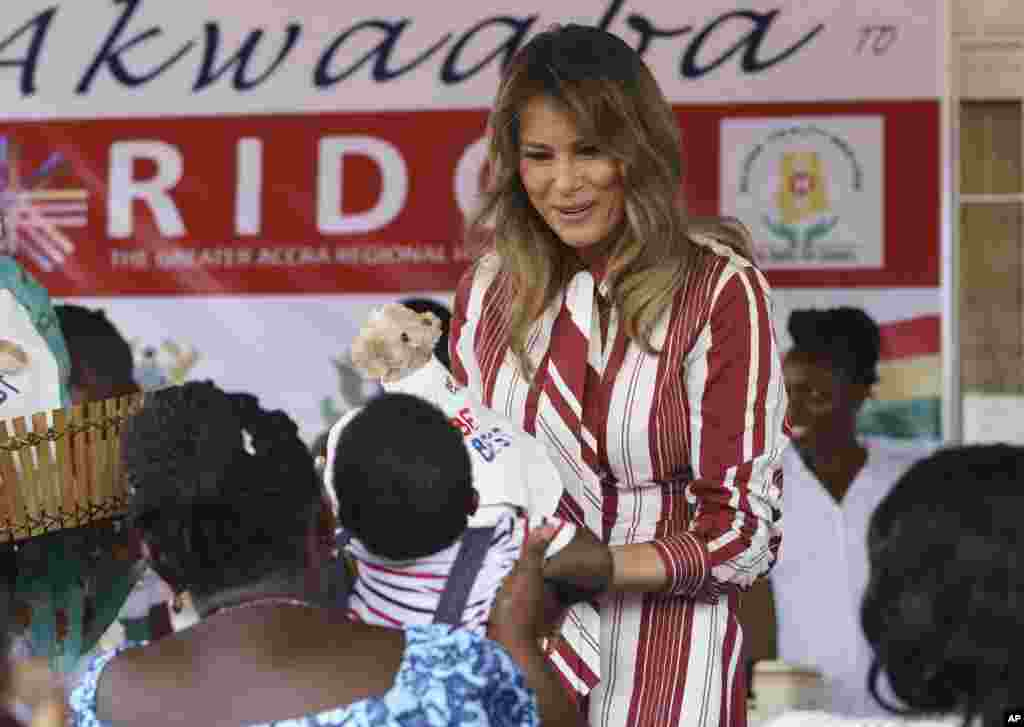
(238, 189)
(905, 403)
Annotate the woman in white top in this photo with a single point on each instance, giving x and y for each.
(942, 611)
(834, 481)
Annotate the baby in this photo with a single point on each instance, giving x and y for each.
(426, 469)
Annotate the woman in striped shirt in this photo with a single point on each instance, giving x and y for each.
(662, 403)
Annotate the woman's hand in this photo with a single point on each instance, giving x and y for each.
(518, 610)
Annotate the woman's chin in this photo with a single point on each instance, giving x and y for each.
(577, 241)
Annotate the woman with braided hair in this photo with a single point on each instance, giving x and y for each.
(241, 525)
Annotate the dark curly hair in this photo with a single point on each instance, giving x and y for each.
(848, 337)
(403, 478)
(214, 515)
(944, 608)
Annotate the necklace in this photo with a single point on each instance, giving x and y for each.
(267, 601)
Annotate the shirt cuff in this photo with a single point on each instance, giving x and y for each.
(686, 563)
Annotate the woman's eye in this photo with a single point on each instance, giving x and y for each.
(536, 155)
(589, 151)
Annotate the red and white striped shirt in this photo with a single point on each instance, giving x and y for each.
(689, 443)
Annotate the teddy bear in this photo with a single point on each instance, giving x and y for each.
(396, 347)
(395, 342)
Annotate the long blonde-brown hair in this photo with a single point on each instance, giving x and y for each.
(616, 103)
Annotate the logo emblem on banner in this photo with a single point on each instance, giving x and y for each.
(33, 216)
(803, 208)
(810, 191)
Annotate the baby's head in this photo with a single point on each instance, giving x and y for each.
(395, 341)
(402, 477)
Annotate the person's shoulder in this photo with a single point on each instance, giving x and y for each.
(795, 472)
(82, 698)
(470, 673)
(441, 651)
(714, 249)
(438, 643)
(721, 285)
(716, 265)
(897, 455)
(899, 446)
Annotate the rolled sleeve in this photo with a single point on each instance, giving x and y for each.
(685, 559)
(737, 402)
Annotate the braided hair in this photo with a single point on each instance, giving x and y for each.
(848, 337)
(215, 515)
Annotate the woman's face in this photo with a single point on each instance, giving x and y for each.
(574, 185)
(821, 403)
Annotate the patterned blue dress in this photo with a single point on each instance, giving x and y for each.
(447, 677)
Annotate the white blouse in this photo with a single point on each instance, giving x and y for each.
(822, 572)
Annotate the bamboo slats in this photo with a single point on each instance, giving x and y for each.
(61, 469)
